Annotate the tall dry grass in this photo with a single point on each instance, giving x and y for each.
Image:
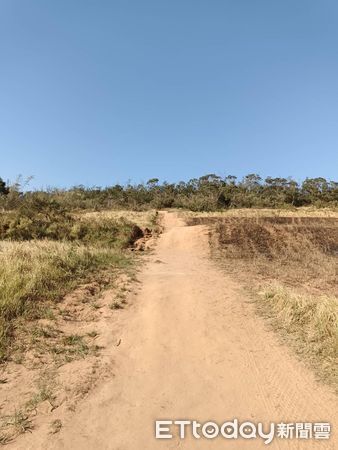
(305, 211)
(302, 252)
(141, 218)
(311, 322)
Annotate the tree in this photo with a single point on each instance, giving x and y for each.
(252, 182)
(315, 188)
(4, 190)
(152, 182)
(210, 178)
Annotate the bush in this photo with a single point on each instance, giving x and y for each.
(207, 193)
(45, 218)
(36, 218)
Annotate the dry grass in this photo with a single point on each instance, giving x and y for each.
(307, 211)
(309, 322)
(301, 252)
(21, 420)
(13, 425)
(36, 271)
(141, 218)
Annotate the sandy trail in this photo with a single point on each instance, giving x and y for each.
(192, 348)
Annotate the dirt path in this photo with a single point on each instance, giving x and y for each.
(191, 348)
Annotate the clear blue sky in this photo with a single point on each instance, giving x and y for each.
(103, 91)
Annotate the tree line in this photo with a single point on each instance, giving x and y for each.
(206, 193)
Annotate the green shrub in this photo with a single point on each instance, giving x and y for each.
(44, 218)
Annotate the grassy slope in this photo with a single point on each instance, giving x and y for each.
(31, 272)
(34, 271)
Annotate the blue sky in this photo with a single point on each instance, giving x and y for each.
(104, 91)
